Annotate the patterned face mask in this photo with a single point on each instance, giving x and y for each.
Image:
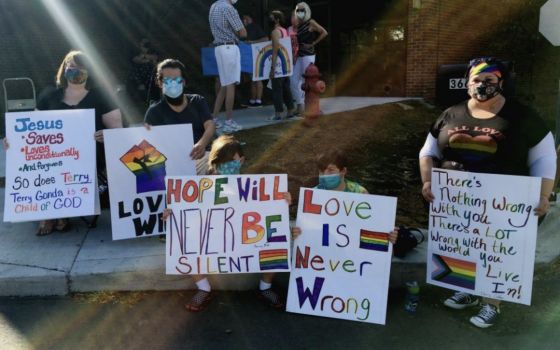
(76, 75)
(484, 91)
(329, 182)
(229, 168)
(172, 88)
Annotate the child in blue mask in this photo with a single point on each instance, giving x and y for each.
(226, 157)
(332, 176)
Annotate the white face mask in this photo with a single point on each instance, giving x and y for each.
(301, 15)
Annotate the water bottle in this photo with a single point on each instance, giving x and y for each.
(412, 296)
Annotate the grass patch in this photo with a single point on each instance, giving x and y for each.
(382, 144)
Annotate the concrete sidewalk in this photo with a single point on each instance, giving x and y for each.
(86, 260)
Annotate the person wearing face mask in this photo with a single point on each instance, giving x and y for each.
(255, 34)
(226, 158)
(332, 167)
(309, 34)
(178, 107)
(227, 29)
(281, 93)
(75, 91)
(489, 133)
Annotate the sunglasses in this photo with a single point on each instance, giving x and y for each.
(300, 10)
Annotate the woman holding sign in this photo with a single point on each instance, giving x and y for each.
(74, 91)
(489, 133)
(281, 93)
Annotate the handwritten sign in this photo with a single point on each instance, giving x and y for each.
(51, 165)
(256, 59)
(483, 234)
(262, 59)
(137, 162)
(342, 259)
(227, 224)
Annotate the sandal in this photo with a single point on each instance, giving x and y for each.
(270, 297)
(45, 228)
(199, 301)
(62, 225)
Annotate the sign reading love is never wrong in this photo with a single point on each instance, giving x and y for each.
(342, 259)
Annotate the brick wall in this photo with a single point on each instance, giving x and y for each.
(443, 32)
(451, 32)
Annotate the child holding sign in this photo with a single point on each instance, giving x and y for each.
(226, 157)
(332, 176)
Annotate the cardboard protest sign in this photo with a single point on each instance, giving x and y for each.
(51, 164)
(262, 59)
(483, 234)
(342, 259)
(138, 160)
(227, 224)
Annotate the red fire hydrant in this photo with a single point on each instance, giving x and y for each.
(312, 87)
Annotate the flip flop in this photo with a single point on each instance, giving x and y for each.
(45, 228)
(62, 225)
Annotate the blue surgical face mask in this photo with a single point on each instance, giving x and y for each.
(172, 88)
(229, 168)
(329, 182)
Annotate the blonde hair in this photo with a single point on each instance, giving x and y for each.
(223, 150)
(307, 10)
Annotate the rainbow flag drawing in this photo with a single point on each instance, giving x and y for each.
(265, 53)
(371, 240)
(148, 165)
(453, 271)
(273, 259)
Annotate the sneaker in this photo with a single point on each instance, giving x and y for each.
(293, 117)
(460, 301)
(254, 104)
(232, 125)
(274, 118)
(270, 297)
(486, 317)
(199, 301)
(217, 122)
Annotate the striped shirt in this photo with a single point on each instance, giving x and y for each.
(224, 22)
(305, 36)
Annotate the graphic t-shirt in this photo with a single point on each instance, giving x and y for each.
(498, 145)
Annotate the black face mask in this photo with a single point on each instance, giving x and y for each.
(177, 101)
(485, 91)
